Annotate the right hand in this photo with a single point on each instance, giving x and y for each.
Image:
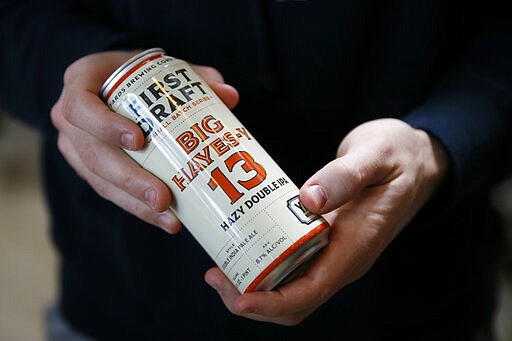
(90, 137)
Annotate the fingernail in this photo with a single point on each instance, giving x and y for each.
(318, 195)
(127, 141)
(167, 221)
(150, 197)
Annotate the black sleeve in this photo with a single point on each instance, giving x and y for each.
(471, 112)
(38, 40)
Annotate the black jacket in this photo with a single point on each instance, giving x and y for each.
(312, 70)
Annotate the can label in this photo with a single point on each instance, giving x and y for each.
(234, 199)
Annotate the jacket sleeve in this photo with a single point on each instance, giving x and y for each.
(38, 40)
(470, 113)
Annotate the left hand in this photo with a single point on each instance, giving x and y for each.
(385, 171)
(90, 136)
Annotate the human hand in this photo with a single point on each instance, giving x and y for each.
(90, 137)
(385, 171)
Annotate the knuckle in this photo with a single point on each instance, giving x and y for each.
(128, 183)
(410, 179)
(349, 177)
(386, 152)
(69, 72)
(67, 107)
(103, 126)
(108, 127)
(406, 184)
(73, 69)
(55, 115)
(90, 159)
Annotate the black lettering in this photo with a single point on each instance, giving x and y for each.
(146, 98)
(145, 123)
(159, 112)
(174, 102)
(187, 92)
(157, 90)
(172, 81)
(183, 72)
(224, 226)
(199, 86)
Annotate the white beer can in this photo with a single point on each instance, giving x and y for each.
(228, 192)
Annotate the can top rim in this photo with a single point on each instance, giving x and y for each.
(124, 68)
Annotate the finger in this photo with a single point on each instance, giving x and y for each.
(209, 74)
(287, 305)
(116, 167)
(85, 110)
(226, 290)
(166, 220)
(342, 179)
(215, 80)
(282, 306)
(228, 94)
(259, 306)
(93, 70)
(80, 104)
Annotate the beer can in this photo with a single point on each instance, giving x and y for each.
(228, 192)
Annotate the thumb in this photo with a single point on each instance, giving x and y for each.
(340, 181)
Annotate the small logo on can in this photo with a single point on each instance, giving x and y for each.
(300, 211)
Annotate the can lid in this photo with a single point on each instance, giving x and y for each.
(124, 69)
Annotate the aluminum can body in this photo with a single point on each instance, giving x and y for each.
(227, 191)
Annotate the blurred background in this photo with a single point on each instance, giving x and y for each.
(28, 263)
(27, 260)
